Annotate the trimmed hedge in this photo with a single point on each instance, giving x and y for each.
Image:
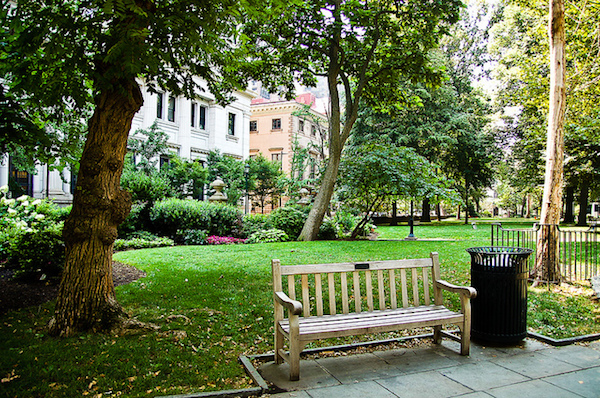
(171, 215)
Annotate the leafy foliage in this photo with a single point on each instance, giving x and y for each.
(373, 173)
(267, 183)
(365, 47)
(289, 219)
(191, 237)
(31, 239)
(141, 243)
(268, 236)
(171, 215)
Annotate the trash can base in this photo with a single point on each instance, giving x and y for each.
(495, 339)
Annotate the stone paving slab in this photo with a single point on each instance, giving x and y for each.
(367, 389)
(356, 368)
(426, 384)
(581, 356)
(535, 365)
(311, 376)
(531, 389)
(483, 375)
(584, 382)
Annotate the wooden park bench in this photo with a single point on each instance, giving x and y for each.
(393, 295)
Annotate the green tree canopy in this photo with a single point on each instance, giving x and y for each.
(372, 173)
(364, 49)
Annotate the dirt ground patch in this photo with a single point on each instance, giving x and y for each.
(15, 294)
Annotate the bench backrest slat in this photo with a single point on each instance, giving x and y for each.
(324, 287)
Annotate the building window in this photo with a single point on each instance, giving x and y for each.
(276, 124)
(231, 128)
(313, 170)
(193, 114)
(159, 105)
(253, 125)
(164, 161)
(276, 157)
(313, 130)
(171, 110)
(19, 182)
(301, 126)
(202, 118)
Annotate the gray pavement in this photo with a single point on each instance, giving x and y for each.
(531, 369)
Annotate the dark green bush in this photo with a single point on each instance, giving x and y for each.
(134, 221)
(328, 229)
(268, 236)
(139, 243)
(346, 221)
(252, 223)
(191, 237)
(171, 215)
(289, 219)
(37, 254)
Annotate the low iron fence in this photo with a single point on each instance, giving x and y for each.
(579, 250)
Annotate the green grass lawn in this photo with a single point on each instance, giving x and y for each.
(213, 303)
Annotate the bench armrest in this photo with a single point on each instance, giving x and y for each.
(293, 306)
(469, 292)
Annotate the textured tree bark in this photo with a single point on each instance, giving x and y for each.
(584, 196)
(86, 297)
(547, 262)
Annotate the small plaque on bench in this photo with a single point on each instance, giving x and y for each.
(361, 266)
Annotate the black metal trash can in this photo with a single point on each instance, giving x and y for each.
(499, 312)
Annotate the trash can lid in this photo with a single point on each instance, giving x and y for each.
(499, 250)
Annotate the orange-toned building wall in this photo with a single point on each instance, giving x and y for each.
(274, 141)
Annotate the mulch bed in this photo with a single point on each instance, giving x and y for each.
(17, 294)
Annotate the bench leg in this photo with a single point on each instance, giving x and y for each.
(437, 334)
(279, 340)
(295, 350)
(465, 341)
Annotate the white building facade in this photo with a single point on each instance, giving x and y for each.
(194, 128)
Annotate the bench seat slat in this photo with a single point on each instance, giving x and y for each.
(377, 321)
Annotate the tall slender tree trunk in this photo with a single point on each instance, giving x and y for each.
(426, 211)
(394, 221)
(569, 200)
(86, 298)
(547, 262)
(584, 189)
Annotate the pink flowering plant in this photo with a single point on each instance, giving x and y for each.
(223, 240)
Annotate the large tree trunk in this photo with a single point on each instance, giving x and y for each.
(547, 264)
(86, 297)
(569, 199)
(426, 211)
(584, 191)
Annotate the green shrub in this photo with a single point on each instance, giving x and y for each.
(328, 229)
(138, 243)
(346, 221)
(171, 215)
(268, 236)
(252, 223)
(31, 239)
(289, 219)
(37, 254)
(191, 237)
(134, 221)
